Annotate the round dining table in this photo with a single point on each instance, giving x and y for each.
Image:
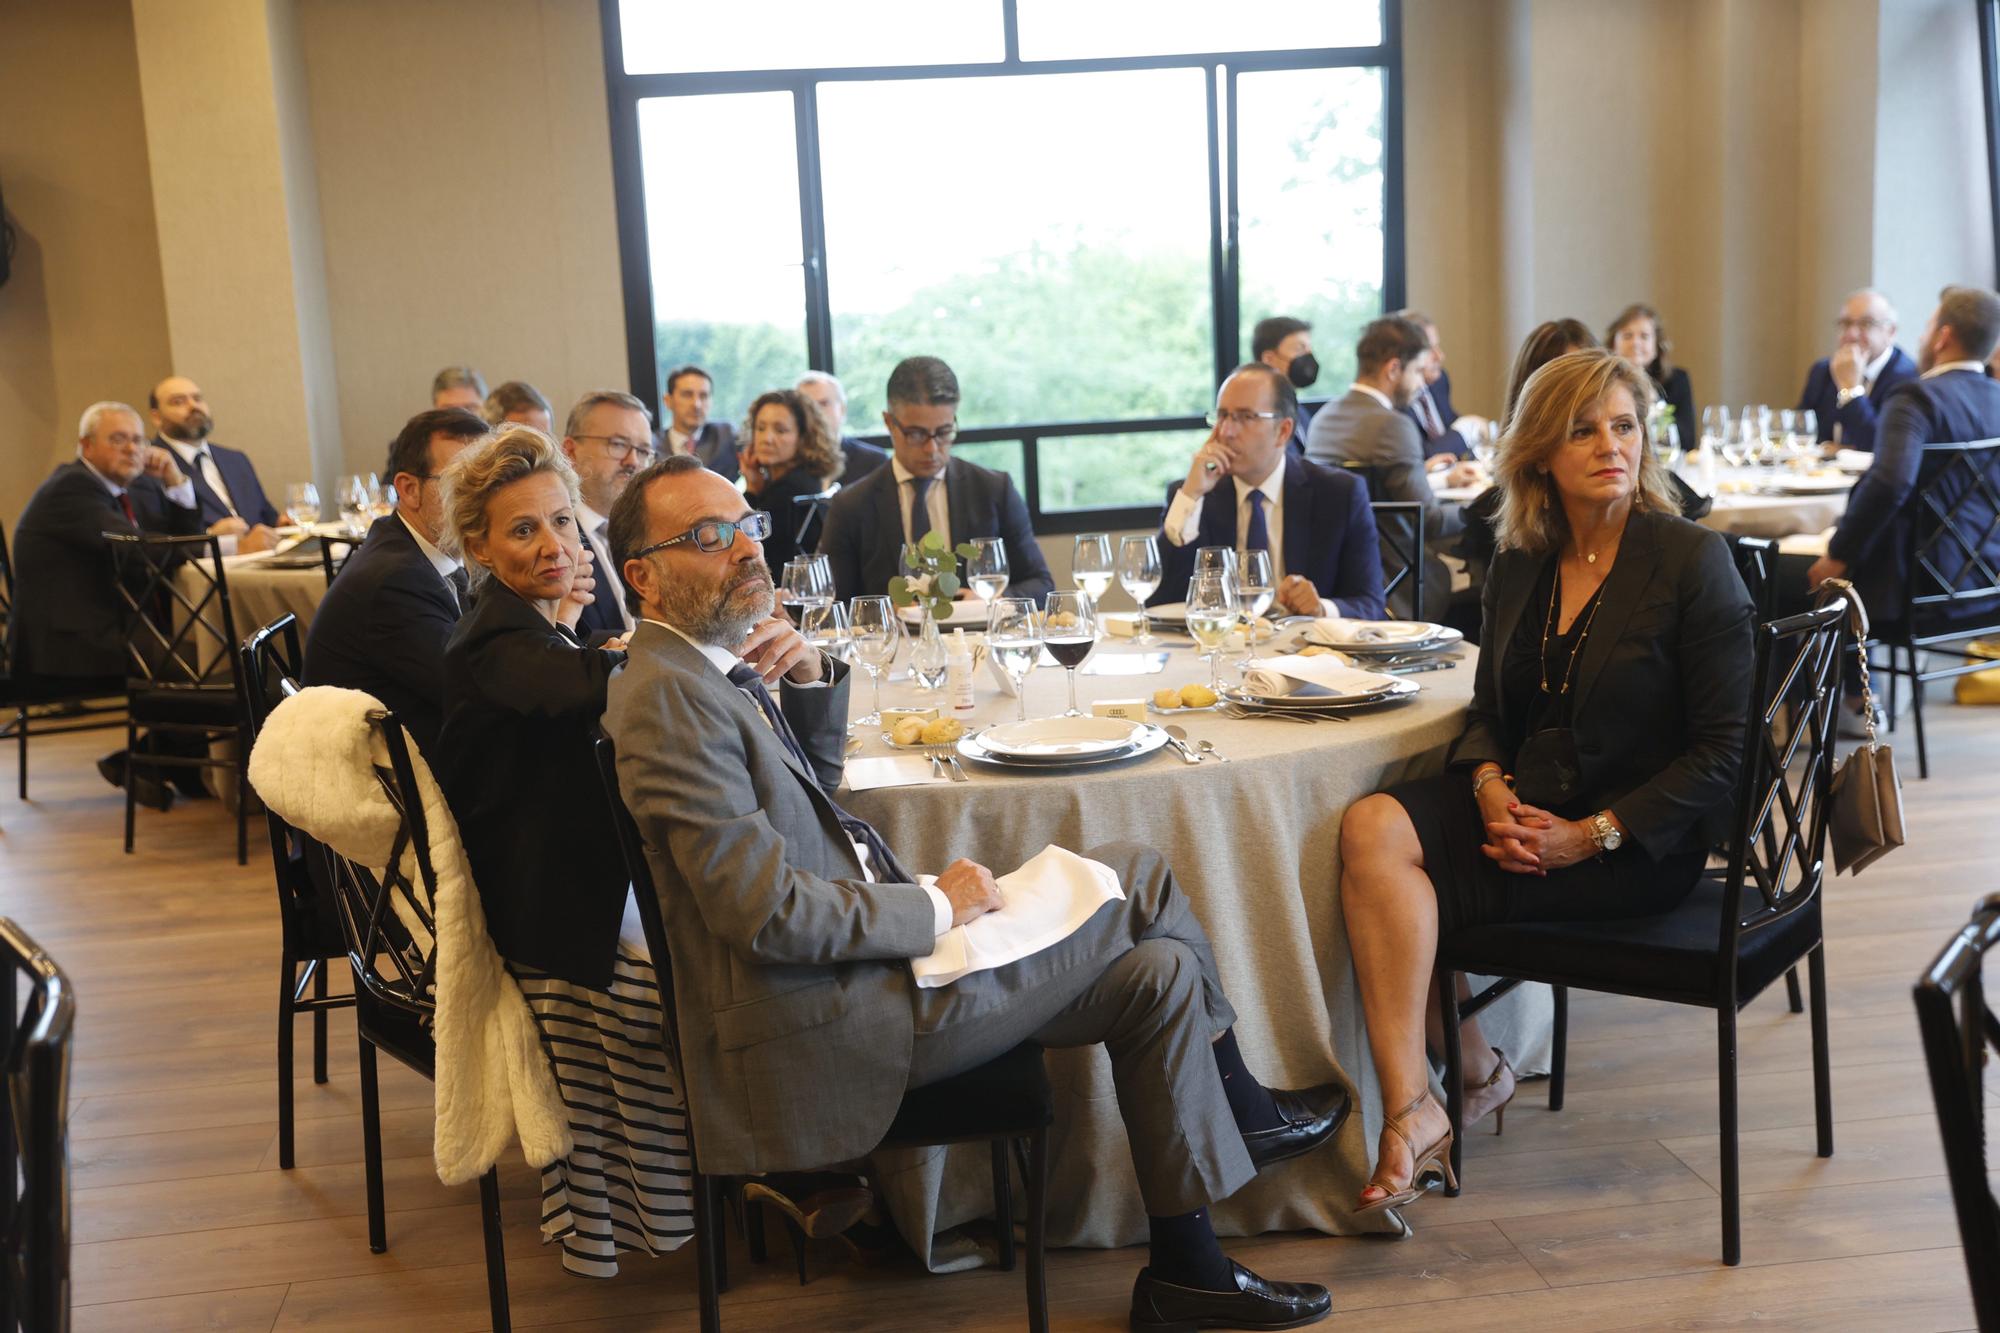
(1252, 835)
(1773, 502)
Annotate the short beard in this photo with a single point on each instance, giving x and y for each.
(721, 621)
(191, 431)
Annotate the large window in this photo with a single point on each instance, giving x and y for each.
(1082, 205)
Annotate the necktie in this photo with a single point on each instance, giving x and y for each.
(461, 586)
(887, 868)
(1427, 412)
(920, 509)
(1259, 538)
(125, 503)
(204, 463)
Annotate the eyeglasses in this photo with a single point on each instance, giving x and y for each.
(621, 448)
(920, 437)
(1239, 417)
(1868, 325)
(717, 534)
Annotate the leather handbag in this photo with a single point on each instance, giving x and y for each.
(1866, 819)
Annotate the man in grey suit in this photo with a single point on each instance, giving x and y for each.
(791, 925)
(1366, 429)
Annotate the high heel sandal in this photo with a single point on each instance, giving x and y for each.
(1474, 1113)
(1436, 1157)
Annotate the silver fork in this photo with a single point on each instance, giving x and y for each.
(937, 767)
(1244, 714)
(951, 762)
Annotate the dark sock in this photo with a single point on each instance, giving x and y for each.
(1186, 1253)
(1249, 1101)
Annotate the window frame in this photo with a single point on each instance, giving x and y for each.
(625, 91)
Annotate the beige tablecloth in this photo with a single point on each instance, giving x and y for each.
(1753, 513)
(1254, 842)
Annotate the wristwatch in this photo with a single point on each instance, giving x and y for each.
(1605, 833)
(1846, 396)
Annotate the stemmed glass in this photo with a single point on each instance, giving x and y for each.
(1714, 429)
(874, 634)
(804, 583)
(1211, 614)
(1755, 433)
(1139, 575)
(1214, 560)
(1069, 632)
(382, 497)
(1014, 637)
(1254, 585)
(1667, 445)
(302, 504)
(1485, 443)
(825, 627)
(1090, 564)
(357, 502)
(986, 570)
(1809, 428)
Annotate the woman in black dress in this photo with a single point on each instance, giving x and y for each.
(1639, 337)
(788, 452)
(1600, 751)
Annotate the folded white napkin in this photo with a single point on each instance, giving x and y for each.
(1379, 631)
(895, 770)
(1275, 677)
(1042, 903)
(1805, 543)
(1853, 460)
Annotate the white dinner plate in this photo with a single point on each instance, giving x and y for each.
(1045, 738)
(1170, 615)
(1813, 485)
(1386, 636)
(1146, 739)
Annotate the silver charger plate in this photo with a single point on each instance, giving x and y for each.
(1402, 688)
(1148, 739)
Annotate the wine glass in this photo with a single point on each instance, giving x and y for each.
(1809, 427)
(1211, 614)
(874, 633)
(795, 584)
(1215, 560)
(356, 503)
(1786, 424)
(1139, 575)
(986, 569)
(302, 504)
(1714, 429)
(1756, 433)
(1069, 632)
(1485, 443)
(1090, 564)
(382, 500)
(1254, 586)
(824, 626)
(1014, 638)
(1667, 445)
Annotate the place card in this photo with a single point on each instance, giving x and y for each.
(895, 770)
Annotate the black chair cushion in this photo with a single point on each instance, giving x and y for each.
(1668, 957)
(28, 690)
(206, 707)
(1008, 1096)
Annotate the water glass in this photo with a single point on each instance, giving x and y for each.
(873, 634)
(383, 500)
(357, 503)
(1139, 575)
(1254, 587)
(1667, 445)
(986, 568)
(1211, 615)
(825, 628)
(1014, 638)
(1809, 427)
(1090, 564)
(302, 503)
(1215, 560)
(1069, 632)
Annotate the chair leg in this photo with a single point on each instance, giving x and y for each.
(1559, 1057)
(1725, 1067)
(1003, 1203)
(1917, 716)
(1822, 1064)
(242, 800)
(131, 801)
(1037, 1180)
(719, 1226)
(1796, 1000)
(1890, 671)
(1454, 1077)
(371, 1150)
(705, 1243)
(753, 1231)
(21, 736)
(287, 977)
(496, 1254)
(319, 1021)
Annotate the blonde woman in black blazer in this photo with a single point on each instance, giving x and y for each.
(1600, 752)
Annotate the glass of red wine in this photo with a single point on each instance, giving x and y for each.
(1069, 632)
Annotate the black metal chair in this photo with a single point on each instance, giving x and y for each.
(1956, 1047)
(1399, 526)
(35, 1035)
(181, 678)
(808, 515)
(333, 554)
(1757, 562)
(311, 935)
(1950, 524)
(390, 932)
(47, 705)
(1728, 939)
(1006, 1102)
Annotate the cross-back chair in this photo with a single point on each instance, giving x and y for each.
(37, 1023)
(47, 705)
(1399, 527)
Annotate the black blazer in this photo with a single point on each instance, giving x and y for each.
(1330, 538)
(862, 458)
(382, 627)
(68, 620)
(864, 529)
(515, 759)
(1662, 692)
(1678, 390)
(776, 499)
(602, 619)
(1857, 421)
(239, 475)
(715, 446)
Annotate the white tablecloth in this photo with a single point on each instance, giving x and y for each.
(1749, 503)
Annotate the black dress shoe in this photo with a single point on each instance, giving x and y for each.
(1159, 1306)
(149, 792)
(1311, 1116)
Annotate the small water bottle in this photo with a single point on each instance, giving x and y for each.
(958, 673)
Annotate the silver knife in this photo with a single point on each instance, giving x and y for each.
(1419, 666)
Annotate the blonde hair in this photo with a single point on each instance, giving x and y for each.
(1531, 516)
(471, 480)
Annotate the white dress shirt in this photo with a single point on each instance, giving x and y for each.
(1873, 369)
(1976, 367)
(1374, 393)
(198, 457)
(442, 563)
(936, 503)
(725, 661)
(679, 442)
(1183, 522)
(597, 529)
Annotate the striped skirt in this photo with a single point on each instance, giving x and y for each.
(626, 1185)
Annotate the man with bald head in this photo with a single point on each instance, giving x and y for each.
(1847, 390)
(232, 501)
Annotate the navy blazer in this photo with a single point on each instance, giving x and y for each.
(863, 537)
(1953, 408)
(1859, 418)
(862, 458)
(382, 627)
(1330, 538)
(1447, 440)
(68, 619)
(239, 475)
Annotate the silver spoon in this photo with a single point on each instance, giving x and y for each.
(1208, 750)
(1179, 735)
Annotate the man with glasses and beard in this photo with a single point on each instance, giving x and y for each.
(607, 438)
(231, 499)
(923, 490)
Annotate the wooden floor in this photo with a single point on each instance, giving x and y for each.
(1603, 1216)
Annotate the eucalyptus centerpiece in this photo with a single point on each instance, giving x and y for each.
(929, 581)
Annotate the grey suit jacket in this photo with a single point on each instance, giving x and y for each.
(1356, 430)
(790, 969)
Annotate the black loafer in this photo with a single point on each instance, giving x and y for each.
(1159, 1306)
(1311, 1116)
(149, 792)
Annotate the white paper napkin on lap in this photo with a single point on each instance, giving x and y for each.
(1275, 677)
(1042, 903)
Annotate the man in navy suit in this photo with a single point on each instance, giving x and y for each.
(1951, 401)
(1848, 390)
(231, 499)
(861, 457)
(689, 394)
(1314, 520)
(1447, 436)
(382, 626)
(607, 438)
(925, 489)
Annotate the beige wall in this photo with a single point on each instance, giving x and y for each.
(84, 316)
